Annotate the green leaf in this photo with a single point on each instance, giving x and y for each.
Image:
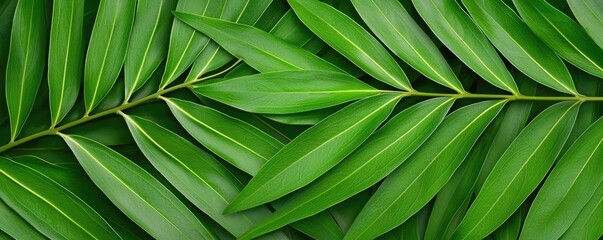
(274, 54)
(590, 15)
(7, 12)
(351, 40)
(373, 160)
(15, 226)
(562, 34)
(148, 43)
(568, 187)
(65, 57)
(242, 145)
(195, 173)
(514, 39)
(50, 207)
(286, 91)
(213, 56)
(400, 33)
(185, 42)
(26, 61)
(410, 187)
(315, 151)
(453, 199)
(135, 192)
(303, 118)
(107, 49)
(519, 171)
(589, 223)
(458, 32)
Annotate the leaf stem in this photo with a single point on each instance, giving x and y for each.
(161, 92)
(87, 118)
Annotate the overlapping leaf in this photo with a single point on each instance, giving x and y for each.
(410, 187)
(315, 151)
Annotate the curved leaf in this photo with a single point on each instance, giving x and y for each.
(568, 187)
(458, 32)
(148, 43)
(303, 118)
(373, 160)
(351, 40)
(196, 174)
(315, 151)
(65, 57)
(562, 34)
(590, 15)
(107, 49)
(410, 187)
(395, 27)
(274, 54)
(135, 192)
(50, 207)
(185, 42)
(26, 61)
(213, 56)
(514, 39)
(7, 12)
(589, 223)
(519, 171)
(287, 91)
(237, 142)
(15, 226)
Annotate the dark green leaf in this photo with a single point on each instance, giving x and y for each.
(25, 66)
(50, 207)
(66, 57)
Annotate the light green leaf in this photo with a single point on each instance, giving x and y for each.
(135, 192)
(410, 187)
(568, 187)
(562, 34)
(49, 207)
(274, 54)
(213, 56)
(590, 15)
(148, 43)
(458, 32)
(286, 91)
(385, 150)
(107, 49)
(15, 226)
(589, 223)
(519, 171)
(26, 61)
(514, 39)
(195, 173)
(65, 57)
(185, 42)
(351, 40)
(315, 151)
(242, 145)
(400, 33)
